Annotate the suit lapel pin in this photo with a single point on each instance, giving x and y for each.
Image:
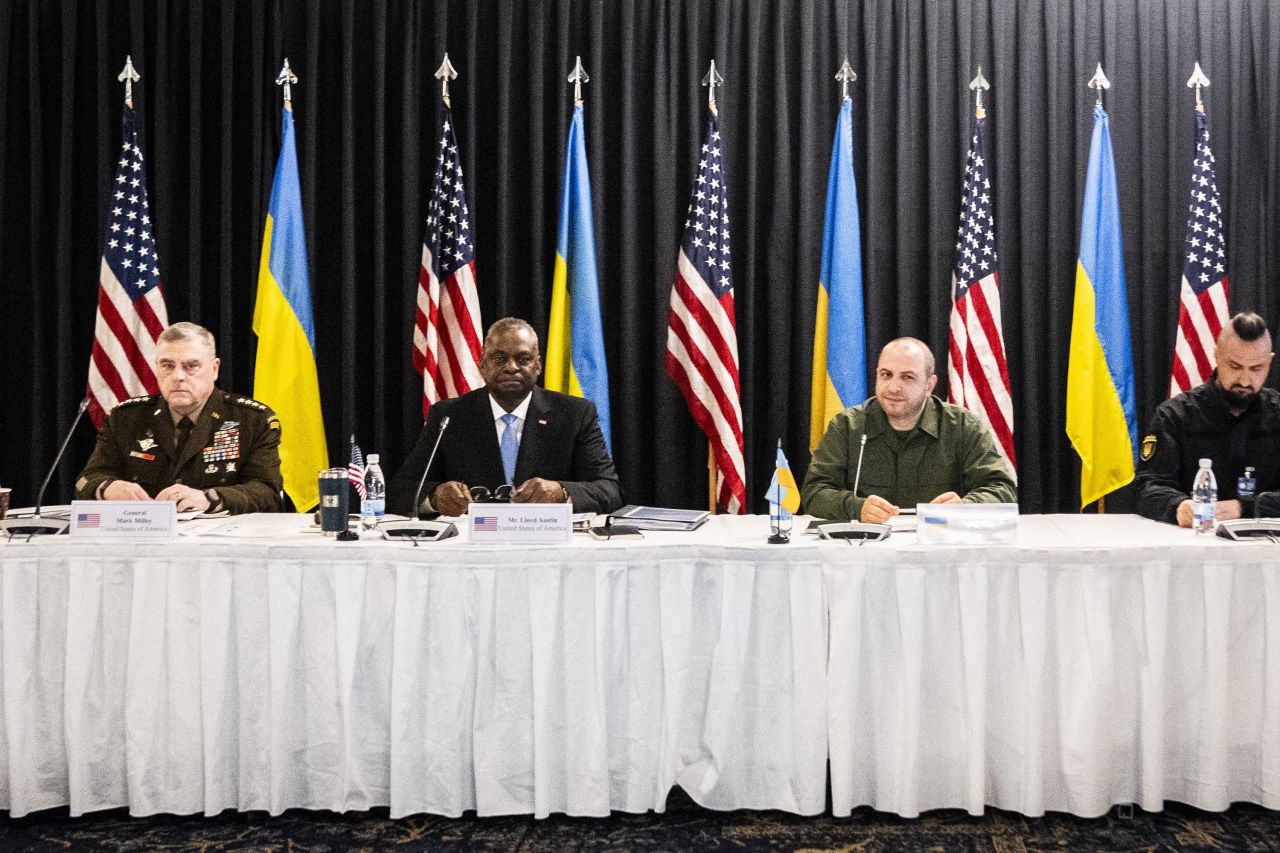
(542, 421)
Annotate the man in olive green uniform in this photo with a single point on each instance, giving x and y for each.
(918, 448)
(193, 444)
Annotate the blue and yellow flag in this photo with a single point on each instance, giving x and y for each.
(575, 362)
(783, 494)
(839, 336)
(1101, 419)
(284, 375)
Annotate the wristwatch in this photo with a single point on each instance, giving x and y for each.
(215, 500)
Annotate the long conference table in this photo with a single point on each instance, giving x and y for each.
(256, 665)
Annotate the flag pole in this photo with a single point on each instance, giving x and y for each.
(129, 76)
(286, 80)
(979, 84)
(1100, 83)
(711, 80)
(444, 74)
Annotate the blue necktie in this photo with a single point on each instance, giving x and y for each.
(509, 447)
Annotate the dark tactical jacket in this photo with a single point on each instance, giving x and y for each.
(233, 448)
(1198, 424)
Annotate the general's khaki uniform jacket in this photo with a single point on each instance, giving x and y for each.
(233, 448)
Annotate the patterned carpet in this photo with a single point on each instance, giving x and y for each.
(685, 826)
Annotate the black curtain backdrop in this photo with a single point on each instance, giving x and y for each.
(366, 107)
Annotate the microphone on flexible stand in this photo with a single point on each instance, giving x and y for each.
(857, 474)
(850, 530)
(417, 529)
(35, 525)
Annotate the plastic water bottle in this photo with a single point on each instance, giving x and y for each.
(1204, 497)
(374, 504)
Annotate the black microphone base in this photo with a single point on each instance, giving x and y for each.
(16, 528)
(418, 531)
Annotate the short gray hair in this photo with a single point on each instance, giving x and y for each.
(189, 332)
(507, 324)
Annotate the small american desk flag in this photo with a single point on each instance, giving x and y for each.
(702, 337)
(355, 468)
(446, 335)
(131, 310)
(978, 375)
(1203, 304)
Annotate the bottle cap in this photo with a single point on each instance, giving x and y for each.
(373, 458)
(1204, 463)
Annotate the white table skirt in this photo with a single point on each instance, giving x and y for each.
(1116, 661)
(1101, 660)
(213, 674)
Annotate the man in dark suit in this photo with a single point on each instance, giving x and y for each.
(546, 446)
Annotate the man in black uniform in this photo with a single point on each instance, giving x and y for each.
(1231, 419)
(193, 444)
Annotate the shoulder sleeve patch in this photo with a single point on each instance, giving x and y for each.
(1148, 448)
(274, 423)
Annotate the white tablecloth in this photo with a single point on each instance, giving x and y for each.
(300, 672)
(1100, 660)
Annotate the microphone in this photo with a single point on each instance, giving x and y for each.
(857, 474)
(416, 529)
(35, 525)
(417, 496)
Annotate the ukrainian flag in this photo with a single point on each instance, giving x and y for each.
(783, 492)
(839, 336)
(1101, 419)
(285, 372)
(575, 362)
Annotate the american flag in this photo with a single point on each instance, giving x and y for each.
(977, 373)
(1203, 310)
(131, 311)
(702, 338)
(88, 519)
(487, 523)
(446, 336)
(355, 468)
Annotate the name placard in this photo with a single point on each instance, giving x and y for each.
(126, 520)
(490, 523)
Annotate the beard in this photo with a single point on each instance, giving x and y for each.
(1239, 398)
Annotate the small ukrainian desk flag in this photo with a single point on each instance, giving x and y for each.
(1101, 415)
(284, 376)
(783, 494)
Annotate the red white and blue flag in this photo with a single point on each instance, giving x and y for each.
(1203, 304)
(702, 336)
(446, 336)
(88, 519)
(355, 468)
(131, 310)
(977, 373)
(487, 523)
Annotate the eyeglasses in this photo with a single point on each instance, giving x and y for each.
(485, 495)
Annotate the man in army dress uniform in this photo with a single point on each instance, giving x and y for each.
(1231, 419)
(193, 444)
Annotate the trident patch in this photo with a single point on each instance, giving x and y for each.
(1148, 448)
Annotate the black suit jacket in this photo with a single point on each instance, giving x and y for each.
(561, 441)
